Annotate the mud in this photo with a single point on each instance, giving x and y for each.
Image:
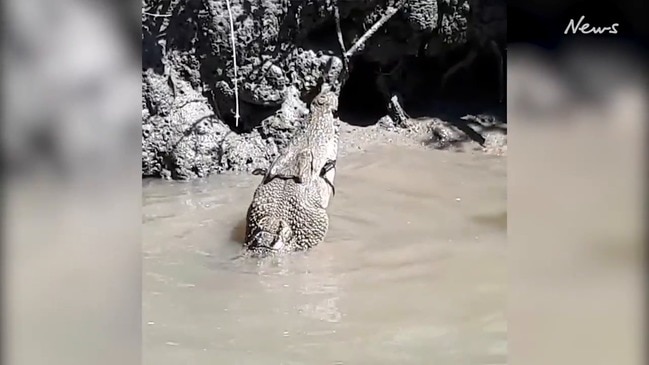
(284, 50)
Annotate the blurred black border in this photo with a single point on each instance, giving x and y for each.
(543, 23)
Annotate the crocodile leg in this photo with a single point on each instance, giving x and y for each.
(328, 166)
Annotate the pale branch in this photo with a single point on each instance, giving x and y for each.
(234, 60)
(156, 15)
(341, 41)
(389, 13)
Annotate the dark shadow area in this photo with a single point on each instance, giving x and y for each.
(182, 31)
(151, 50)
(361, 103)
(476, 84)
(153, 31)
(321, 37)
(250, 117)
(471, 90)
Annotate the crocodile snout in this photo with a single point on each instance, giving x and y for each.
(266, 241)
(270, 238)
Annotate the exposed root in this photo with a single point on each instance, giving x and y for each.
(395, 110)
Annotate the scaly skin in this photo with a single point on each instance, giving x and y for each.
(288, 209)
(287, 216)
(319, 139)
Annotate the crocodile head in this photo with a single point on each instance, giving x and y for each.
(271, 236)
(327, 99)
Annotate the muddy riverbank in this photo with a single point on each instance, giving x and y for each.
(191, 97)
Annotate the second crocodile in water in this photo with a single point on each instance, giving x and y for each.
(289, 207)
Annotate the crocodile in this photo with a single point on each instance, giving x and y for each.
(320, 137)
(288, 211)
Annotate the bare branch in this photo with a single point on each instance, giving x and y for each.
(156, 15)
(389, 13)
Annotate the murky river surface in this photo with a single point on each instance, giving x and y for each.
(413, 270)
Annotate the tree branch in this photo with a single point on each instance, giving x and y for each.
(156, 15)
(389, 13)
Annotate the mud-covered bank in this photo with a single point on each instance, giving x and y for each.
(284, 49)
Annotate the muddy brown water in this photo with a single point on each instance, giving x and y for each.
(413, 270)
